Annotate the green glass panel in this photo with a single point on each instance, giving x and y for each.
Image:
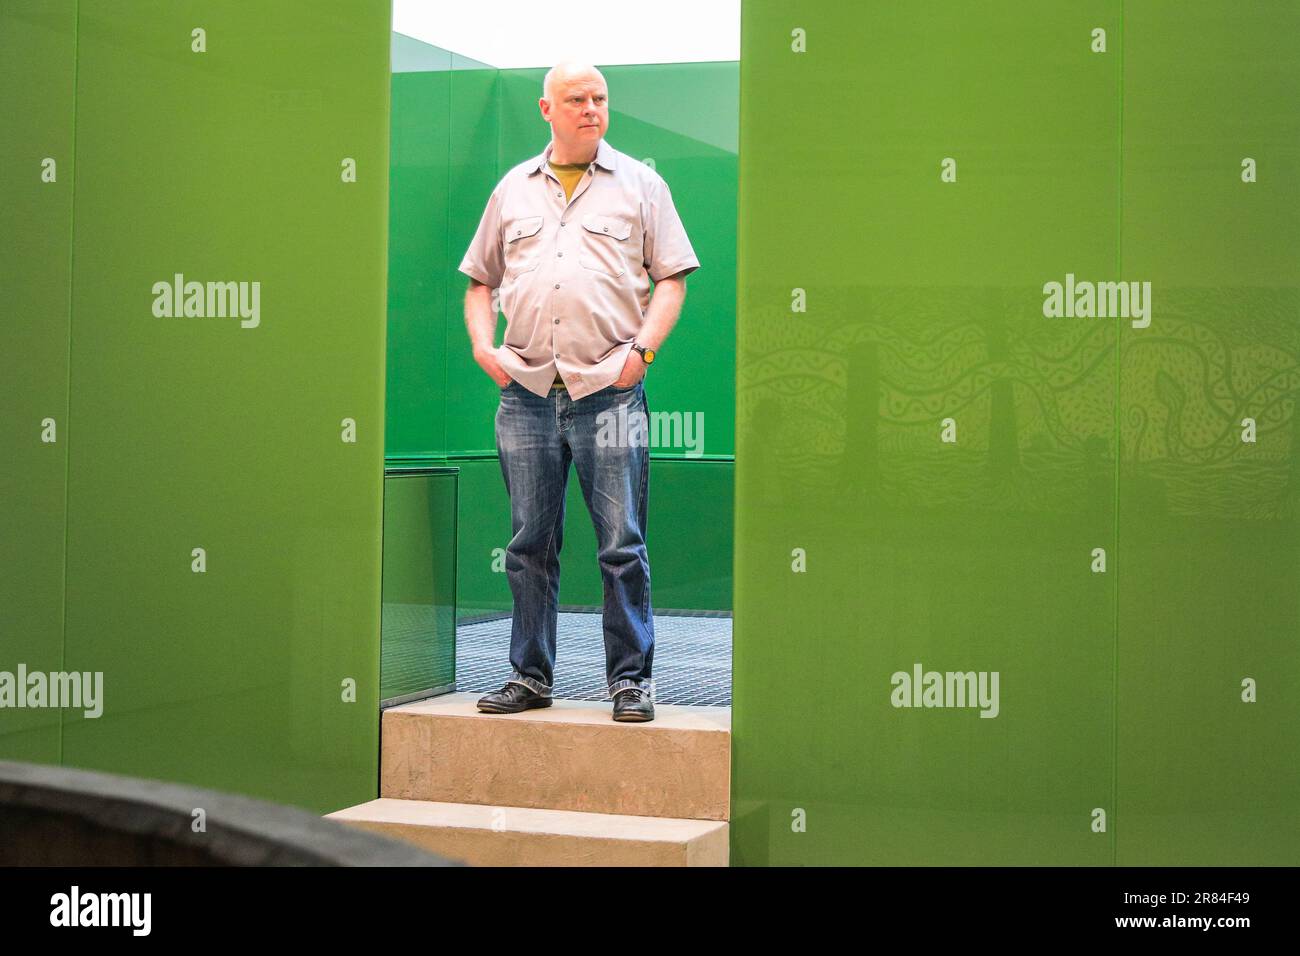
(415, 387)
(689, 535)
(474, 172)
(419, 623)
(37, 67)
(484, 531)
(883, 310)
(1210, 522)
(258, 670)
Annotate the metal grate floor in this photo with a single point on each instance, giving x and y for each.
(692, 658)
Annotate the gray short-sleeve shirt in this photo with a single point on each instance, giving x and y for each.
(574, 275)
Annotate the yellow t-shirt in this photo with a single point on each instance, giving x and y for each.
(569, 175)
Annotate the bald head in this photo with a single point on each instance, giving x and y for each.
(566, 72)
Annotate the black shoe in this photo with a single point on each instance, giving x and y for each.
(632, 704)
(512, 699)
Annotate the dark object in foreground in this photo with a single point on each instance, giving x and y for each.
(56, 816)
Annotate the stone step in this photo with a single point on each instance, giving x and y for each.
(569, 756)
(524, 836)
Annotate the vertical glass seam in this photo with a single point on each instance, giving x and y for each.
(72, 253)
(1119, 444)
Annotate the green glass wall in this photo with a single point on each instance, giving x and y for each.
(38, 41)
(458, 127)
(443, 151)
(937, 477)
(199, 520)
(1208, 593)
(418, 645)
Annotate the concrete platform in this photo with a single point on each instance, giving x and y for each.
(523, 836)
(570, 756)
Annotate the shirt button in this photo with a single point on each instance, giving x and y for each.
(559, 195)
(557, 285)
(607, 228)
(563, 223)
(559, 253)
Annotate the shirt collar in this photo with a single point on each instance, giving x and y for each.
(604, 157)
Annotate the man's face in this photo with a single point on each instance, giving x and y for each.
(579, 114)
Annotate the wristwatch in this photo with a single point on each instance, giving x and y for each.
(647, 355)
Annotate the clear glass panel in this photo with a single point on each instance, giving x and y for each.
(418, 656)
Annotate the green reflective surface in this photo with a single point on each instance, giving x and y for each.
(934, 474)
(219, 557)
(1209, 592)
(37, 70)
(418, 647)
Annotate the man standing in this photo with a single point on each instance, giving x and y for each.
(572, 239)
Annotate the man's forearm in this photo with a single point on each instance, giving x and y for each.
(480, 321)
(662, 314)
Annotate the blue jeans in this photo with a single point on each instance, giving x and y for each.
(537, 439)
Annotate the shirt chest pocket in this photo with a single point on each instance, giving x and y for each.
(523, 245)
(605, 244)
